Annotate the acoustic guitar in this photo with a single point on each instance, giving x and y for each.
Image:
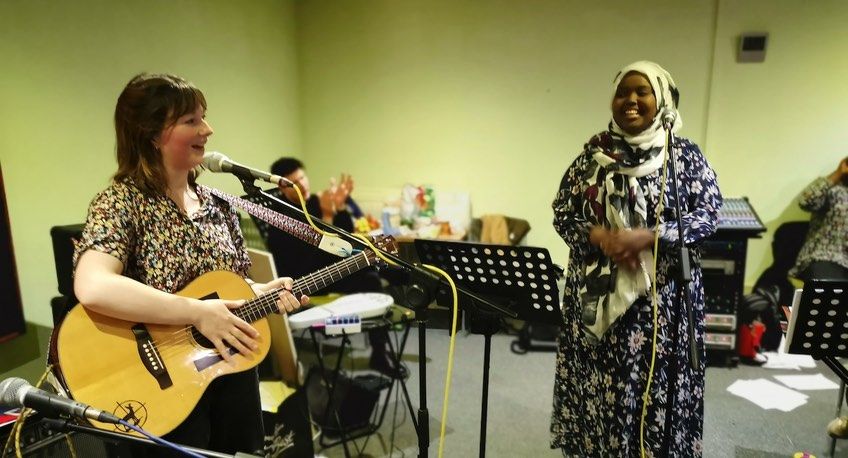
(153, 375)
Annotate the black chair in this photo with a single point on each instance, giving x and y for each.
(785, 246)
(63, 254)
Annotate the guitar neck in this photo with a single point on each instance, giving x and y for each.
(266, 304)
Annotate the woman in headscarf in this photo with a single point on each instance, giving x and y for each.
(608, 212)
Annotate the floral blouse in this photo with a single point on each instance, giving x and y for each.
(827, 239)
(157, 243)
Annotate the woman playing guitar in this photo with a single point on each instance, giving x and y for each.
(154, 230)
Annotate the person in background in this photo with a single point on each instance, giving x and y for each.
(154, 230)
(294, 258)
(607, 211)
(825, 250)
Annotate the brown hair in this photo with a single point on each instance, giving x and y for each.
(148, 105)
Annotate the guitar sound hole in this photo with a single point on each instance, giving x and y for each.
(200, 338)
(206, 343)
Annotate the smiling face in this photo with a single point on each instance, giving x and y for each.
(634, 104)
(183, 143)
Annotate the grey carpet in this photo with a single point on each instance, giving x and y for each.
(520, 407)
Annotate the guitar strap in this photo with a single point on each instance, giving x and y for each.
(285, 223)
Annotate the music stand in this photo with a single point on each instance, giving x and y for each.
(818, 326)
(417, 296)
(819, 323)
(521, 280)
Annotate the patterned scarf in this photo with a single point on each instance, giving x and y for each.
(617, 202)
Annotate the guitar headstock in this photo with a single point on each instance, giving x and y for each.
(385, 243)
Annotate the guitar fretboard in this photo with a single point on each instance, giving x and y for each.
(266, 304)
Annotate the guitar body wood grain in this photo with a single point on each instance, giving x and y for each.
(155, 379)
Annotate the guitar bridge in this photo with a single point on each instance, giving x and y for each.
(150, 357)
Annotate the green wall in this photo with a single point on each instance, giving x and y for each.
(497, 97)
(63, 66)
(775, 126)
(491, 97)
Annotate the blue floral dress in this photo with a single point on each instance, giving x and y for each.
(599, 388)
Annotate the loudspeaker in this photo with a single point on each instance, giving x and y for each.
(38, 440)
(288, 432)
(354, 399)
(752, 47)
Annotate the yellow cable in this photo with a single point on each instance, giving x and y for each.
(376, 251)
(654, 302)
(455, 313)
(19, 426)
(450, 357)
(308, 216)
(333, 234)
(70, 446)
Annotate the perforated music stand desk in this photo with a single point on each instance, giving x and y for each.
(521, 280)
(819, 323)
(818, 326)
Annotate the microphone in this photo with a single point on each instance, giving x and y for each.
(17, 392)
(219, 163)
(668, 118)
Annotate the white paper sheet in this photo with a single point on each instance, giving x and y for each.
(786, 361)
(768, 395)
(807, 382)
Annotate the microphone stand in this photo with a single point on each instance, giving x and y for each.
(684, 277)
(424, 283)
(685, 272)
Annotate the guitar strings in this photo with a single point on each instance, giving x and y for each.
(311, 280)
(260, 304)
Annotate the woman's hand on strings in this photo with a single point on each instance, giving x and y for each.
(286, 301)
(218, 324)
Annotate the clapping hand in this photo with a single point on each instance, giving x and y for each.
(841, 172)
(335, 197)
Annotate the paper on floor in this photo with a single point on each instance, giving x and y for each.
(768, 395)
(807, 382)
(786, 361)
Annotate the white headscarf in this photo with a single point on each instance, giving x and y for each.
(665, 92)
(609, 291)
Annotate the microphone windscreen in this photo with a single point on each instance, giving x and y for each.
(10, 392)
(213, 160)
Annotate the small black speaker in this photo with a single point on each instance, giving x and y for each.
(63, 255)
(354, 400)
(752, 47)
